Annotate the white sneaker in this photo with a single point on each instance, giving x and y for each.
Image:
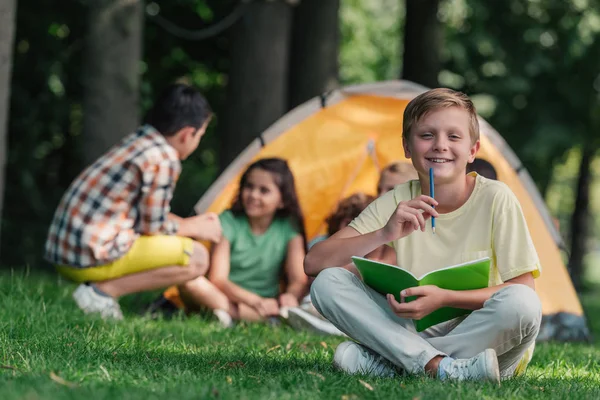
(482, 367)
(353, 358)
(303, 320)
(91, 302)
(224, 318)
(306, 299)
(310, 308)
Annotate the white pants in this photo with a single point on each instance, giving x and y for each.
(508, 323)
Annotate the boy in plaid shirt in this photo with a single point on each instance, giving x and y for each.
(113, 231)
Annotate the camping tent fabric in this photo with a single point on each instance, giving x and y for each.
(336, 144)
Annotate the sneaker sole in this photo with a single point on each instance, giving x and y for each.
(338, 356)
(491, 362)
(338, 359)
(303, 320)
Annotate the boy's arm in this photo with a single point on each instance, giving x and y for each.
(337, 250)
(200, 227)
(431, 298)
(297, 279)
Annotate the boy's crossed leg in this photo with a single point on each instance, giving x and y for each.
(508, 323)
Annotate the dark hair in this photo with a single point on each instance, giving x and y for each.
(348, 208)
(483, 168)
(284, 179)
(176, 107)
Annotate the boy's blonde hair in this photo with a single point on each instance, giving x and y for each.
(435, 99)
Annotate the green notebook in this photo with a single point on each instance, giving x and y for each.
(386, 278)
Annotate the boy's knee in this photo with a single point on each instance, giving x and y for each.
(331, 276)
(520, 304)
(198, 264)
(325, 283)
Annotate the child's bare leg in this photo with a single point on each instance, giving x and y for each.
(159, 277)
(201, 292)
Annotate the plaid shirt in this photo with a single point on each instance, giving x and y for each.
(124, 194)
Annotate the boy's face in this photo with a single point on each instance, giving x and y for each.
(190, 139)
(441, 140)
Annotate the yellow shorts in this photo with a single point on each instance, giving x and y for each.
(147, 252)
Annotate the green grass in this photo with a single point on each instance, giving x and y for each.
(49, 350)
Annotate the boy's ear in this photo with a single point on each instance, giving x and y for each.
(185, 133)
(473, 151)
(406, 146)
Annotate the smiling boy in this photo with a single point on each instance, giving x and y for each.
(475, 217)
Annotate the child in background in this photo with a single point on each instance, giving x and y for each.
(483, 168)
(346, 210)
(395, 174)
(475, 217)
(112, 230)
(263, 236)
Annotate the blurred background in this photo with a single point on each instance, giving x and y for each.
(77, 75)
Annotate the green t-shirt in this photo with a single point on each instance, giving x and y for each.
(256, 260)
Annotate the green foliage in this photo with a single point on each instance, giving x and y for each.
(48, 349)
(371, 45)
(45, 125)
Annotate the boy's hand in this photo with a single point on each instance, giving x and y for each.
(409, 217)
(429, 299)
(288, 300)
(267, 307)
(207, 227)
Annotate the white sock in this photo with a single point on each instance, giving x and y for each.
(223, 317)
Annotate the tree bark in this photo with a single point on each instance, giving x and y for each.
(111, 73)
(580, 220)
(315, 45)
(422, 43)
(257, 90)
(8, 9)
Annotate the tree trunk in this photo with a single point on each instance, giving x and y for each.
(111, 73)
(422, 43)
(8, 10)
(580, 220)
(315, 44)
(257, 90)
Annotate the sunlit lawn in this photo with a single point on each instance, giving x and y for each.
(49, 350)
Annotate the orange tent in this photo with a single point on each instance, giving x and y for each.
(336, 144)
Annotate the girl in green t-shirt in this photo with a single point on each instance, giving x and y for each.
(263, 236)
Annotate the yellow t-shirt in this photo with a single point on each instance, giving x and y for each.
(490, 223)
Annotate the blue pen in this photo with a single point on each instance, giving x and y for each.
(432, 194)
